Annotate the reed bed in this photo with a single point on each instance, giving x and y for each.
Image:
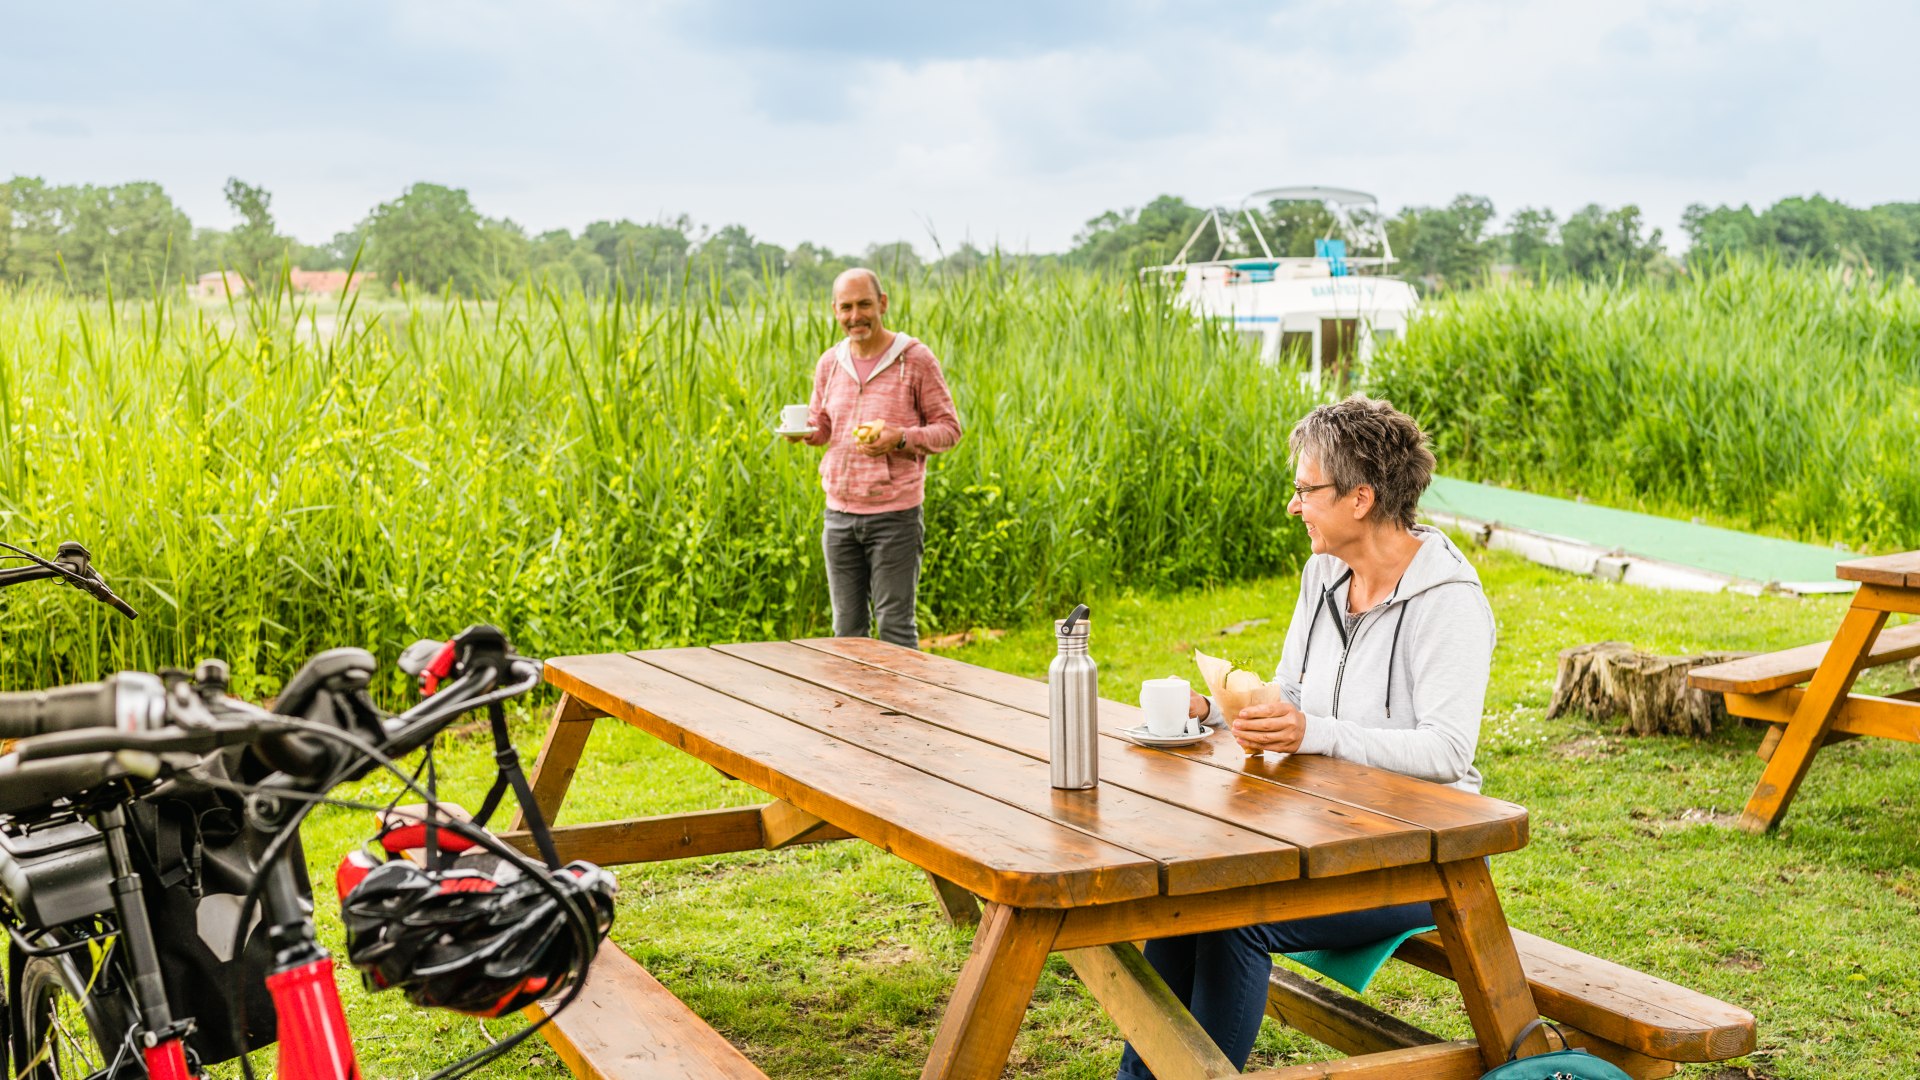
(1781, 399)
(269, 478)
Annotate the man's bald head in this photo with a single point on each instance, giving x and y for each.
(856, 276)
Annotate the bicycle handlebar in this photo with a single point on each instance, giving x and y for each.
(73, 565)
(165, 740)
(133, 711)
(130, 701)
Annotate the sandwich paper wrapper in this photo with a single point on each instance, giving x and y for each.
(1235, 688)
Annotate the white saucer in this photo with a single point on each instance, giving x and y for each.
(793, 431)
(1144, 737)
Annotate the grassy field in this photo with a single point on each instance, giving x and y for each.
(1766, 397)
(276, 479)
(832, 961)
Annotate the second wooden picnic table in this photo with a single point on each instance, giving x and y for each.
(1767, 687)
(944, 764)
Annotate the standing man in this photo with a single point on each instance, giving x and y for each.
(880, 406)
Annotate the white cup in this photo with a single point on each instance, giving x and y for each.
(1165, 701)
(793, 417)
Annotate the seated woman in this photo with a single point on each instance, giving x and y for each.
(1385, 663)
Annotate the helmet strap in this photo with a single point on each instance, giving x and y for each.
(507, 761)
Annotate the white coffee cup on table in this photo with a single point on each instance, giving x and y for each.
(1165, 701)
(793, 417)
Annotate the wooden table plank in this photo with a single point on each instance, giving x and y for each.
(1895, 570)
(1463, 824)
(1333, 838)
(1196, 854)
(1790, 667)
(626, 1026)
(988, 848)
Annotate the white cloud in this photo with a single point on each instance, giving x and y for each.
(1016, 124)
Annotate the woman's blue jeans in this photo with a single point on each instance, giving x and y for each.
(1221, 977)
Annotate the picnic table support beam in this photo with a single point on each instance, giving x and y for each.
(1440, 1061)
(669, 836)
(1328, 1016)
(961, 907)
(1486, 966)
(559, 756)
(1352, 1026)
(783, 824)
(1143, 1006)
(990, 998)
(1807, 731)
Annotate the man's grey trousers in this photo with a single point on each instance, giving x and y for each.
(874, 559)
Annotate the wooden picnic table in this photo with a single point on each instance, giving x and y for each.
(1767, 687)
(945, 764)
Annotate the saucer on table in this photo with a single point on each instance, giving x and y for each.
(1145, 736)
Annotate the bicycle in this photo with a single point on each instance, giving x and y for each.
(93, 754)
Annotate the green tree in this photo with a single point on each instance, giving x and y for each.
(255, 251)
(892, 262)
(1601, 243)
(812, 268)
(1722, 229)
(1291, 226)
(1447, 246)
(131, 236)
(1532, 243)
(642, 256)
(1129, 239)
(431, 237)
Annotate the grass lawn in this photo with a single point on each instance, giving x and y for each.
(833, 961)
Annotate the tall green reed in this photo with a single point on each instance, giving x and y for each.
(1768, 397)
(272, 477)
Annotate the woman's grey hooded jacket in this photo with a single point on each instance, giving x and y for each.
(1404, 691)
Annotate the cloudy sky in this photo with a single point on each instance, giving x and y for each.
(1008, 121)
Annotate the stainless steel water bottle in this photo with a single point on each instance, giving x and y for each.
(1073, 705)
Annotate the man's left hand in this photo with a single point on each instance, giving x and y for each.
(1279, 727)
(885, 439)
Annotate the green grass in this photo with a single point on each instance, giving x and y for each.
(1767, 397)
(833, 960)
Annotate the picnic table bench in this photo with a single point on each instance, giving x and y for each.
(944, 764)
(1768, 686)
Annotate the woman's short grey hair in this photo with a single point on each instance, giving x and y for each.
(1363, 441)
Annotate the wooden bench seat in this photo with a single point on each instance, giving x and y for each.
(1789, 667)
(1640, 1022)
(626, 1026)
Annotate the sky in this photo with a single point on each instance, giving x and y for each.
(1008, 122)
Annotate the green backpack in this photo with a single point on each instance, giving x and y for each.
(1566, 1063)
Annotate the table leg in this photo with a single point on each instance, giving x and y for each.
(1807, 731)
(991, 997)
(559, 756)
(1485, 964)
(961, 907)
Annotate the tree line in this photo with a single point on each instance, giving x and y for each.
(132, 239)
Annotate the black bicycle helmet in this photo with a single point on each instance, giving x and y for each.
(484, 937)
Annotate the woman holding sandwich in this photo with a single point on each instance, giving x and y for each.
(1385, 664)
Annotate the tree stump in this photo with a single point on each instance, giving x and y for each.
(1613, 679)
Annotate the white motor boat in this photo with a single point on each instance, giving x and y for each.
(1324, 311)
